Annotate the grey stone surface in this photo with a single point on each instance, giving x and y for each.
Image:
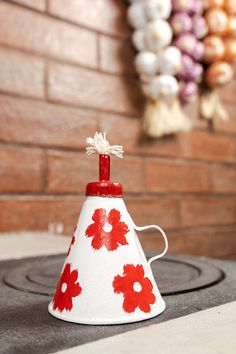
(26, 326)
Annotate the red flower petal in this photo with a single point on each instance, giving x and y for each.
(120, 284)
(66, 273)
(75, 290)
(112, 238)
(133, 298)
(73, 276)
(114, 217)
(67, 288)
(97, 243)
(129, 304)
(144, 306)
(92, 230)
(66, 303)
(99, 216)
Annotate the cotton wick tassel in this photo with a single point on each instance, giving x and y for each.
(211, 107)
(164, 118)
(99, 144)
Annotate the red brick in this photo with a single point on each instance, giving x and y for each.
(199, 145)
(128, 172)
(116, 56)
(94, 90)
(183, 242)
(39, 213)
(210, 242)
(228, 126)
(108, 16)
(33, 122)
(189, 242)
(147, 211)
(191, 111)
(214, 211)
(129, 133)
(70, 172)
(21, 73)
(35, 4)
(223, 179)
(21, 169)
(49, 36)
(169, 176)
(223, 243)
(201, 124)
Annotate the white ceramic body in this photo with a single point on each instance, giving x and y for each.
(98, 304)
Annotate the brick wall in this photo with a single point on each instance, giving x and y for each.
(65, 71)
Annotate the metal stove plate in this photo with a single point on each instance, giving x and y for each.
(174, 275)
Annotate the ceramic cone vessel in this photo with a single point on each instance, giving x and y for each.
(106, 278)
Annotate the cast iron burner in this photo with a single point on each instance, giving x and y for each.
(174, 275)
(189, 284)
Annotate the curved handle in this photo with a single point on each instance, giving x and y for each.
(142, 228)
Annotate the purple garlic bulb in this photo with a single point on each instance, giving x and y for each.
(186, 73)
(181, 22)
(197, 7)
(197, 72)
(186, 42)
(200, 28)
(183, 5)
(188, 92)
(198, 51)
(191, 71)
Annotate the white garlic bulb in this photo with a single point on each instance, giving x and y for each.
(138, 39)
(163, 87)
(158, 34)
(146, 63)
(158, 9)
(136, 15)
(170, 61)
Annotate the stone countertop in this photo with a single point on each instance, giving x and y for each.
(209, 331)
(206, 332)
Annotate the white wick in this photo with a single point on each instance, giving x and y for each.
(99, 144)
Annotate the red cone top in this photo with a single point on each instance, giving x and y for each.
(103, 188)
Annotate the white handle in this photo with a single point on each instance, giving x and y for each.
(142, 228)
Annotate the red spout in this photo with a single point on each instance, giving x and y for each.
(104, 167)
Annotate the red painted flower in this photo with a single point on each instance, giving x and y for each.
(71, 243)
(67, 288)
(136, 288)
(107, 230)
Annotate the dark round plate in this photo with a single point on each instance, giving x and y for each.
(173, 274)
